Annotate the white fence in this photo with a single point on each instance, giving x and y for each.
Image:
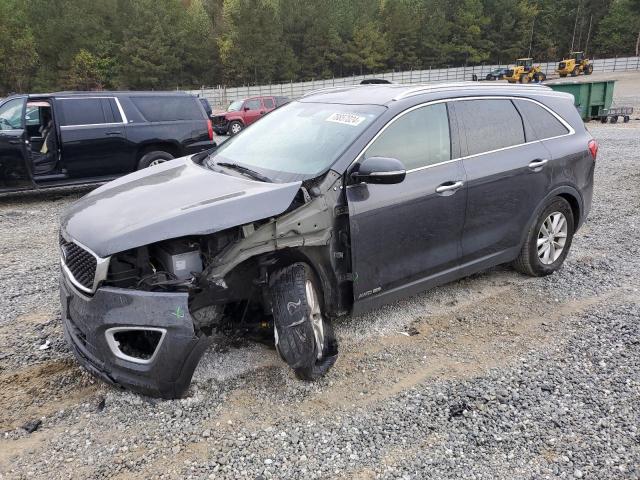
(220, 97)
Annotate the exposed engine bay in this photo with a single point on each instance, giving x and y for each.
(226, 275)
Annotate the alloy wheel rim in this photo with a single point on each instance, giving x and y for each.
(235, 128)
(552, 238)
(316, 317)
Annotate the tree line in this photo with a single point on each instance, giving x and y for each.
(165, 44)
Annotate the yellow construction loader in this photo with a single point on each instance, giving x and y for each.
(525, 71)
(575, 64)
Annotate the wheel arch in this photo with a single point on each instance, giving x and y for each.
(571, 195)
(172, 148)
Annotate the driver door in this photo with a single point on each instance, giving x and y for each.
(253, 110)
(14, 169)
(407, 237)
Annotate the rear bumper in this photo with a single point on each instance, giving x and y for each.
(87, 319)
(199, 147)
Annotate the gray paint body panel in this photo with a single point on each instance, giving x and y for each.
(171, 200)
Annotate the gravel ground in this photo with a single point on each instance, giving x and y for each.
(503, 376)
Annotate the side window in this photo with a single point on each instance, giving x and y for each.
(490, 124)
(166, 108)
(543, 123)
(10, 114)
(268, 103)
(32, 117)
(418, 138)
(252, 104)
(82, 111)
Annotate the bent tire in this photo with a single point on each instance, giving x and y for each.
(154, 158)
(304, 337)
(548, 241)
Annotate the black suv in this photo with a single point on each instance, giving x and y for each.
(340, 202)
(84, 137)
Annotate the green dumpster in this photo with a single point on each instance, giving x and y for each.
(589, 97)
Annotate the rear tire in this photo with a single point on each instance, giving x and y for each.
(304, 336)
(154, 158)
(588, 70)
(625, 119)
(548, 241)
(613, 119)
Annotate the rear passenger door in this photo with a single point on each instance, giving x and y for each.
(407, 234)
(508, 176)
(269, 104)
(94, 141)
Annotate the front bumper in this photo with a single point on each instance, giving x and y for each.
(220, 125)
(86, 320)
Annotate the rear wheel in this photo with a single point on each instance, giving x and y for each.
(303, 335)
(625, 119)
(588, 70)
(548, 241)
(613, 119)
(150, 159)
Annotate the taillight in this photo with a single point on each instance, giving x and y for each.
(593, 148)
(210, 129)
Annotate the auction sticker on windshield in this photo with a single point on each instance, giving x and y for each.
(346, 118)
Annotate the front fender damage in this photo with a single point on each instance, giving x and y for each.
(310, 225)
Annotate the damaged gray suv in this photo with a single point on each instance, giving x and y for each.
(338, 203)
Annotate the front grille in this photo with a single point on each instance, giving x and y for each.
(81, 263)
(219, 121)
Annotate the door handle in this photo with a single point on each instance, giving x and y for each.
(262, 112)
(15, 142)
(113, 133)
(537, 165)
(449, 187)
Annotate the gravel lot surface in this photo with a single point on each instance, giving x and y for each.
(507, 376)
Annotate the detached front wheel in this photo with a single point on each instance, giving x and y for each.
(303, 335)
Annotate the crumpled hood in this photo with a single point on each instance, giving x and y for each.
(171, 200)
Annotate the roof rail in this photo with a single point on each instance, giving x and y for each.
(443, 86)
(328, 89)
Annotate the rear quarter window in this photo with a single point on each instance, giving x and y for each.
(167, 109)
(490, 124)
(543, 123)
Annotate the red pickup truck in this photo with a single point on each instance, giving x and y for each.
(243, 113)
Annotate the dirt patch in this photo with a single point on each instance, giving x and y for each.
(34, 392)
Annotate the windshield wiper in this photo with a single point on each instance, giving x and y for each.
(245, 170)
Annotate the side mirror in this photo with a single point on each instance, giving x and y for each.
(246, 109)
(379, 170)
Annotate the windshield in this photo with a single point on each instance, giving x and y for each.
(235, 106)
(297, 141)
